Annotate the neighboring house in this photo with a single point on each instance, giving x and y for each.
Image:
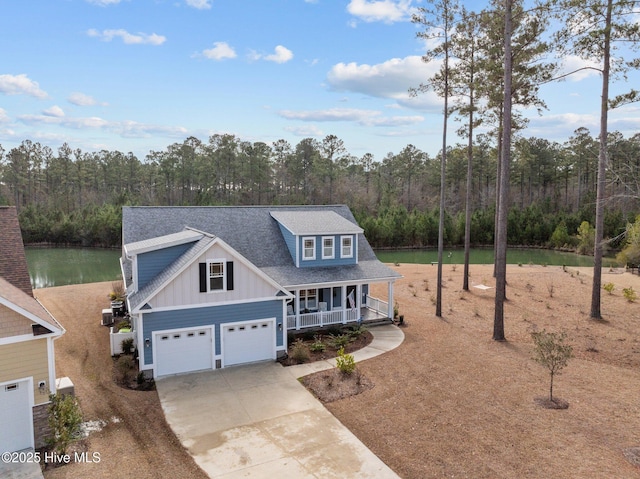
(27, 333)
(211, 287)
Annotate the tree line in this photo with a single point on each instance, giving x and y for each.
(74, 197)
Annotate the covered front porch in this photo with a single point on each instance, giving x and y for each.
(316, 307)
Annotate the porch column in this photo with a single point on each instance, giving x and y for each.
(390, 298)
(359, 300)
(344, 304)
(297, 309)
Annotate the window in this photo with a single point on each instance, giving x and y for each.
(216, 276)
(309, 248)
(327, 247)
(308, 299)
(347, 247)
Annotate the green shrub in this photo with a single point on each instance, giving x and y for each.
(300, 351)
(127, 345)
(340, 341)
(608, 287)
(346, 363)
(125, 369)
(629, 294)
(357, 331)
(318, 345)
(65, 418)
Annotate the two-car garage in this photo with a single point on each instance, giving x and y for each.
(193, 349)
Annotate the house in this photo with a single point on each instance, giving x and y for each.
(211, 287)
(27, 334)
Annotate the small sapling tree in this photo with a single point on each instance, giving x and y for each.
(552, 351)
(65, 419)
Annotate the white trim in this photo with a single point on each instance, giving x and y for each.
(223, 262)
(55, 330)
(52, 365)
(234, 324)
(304, 239)
(350, 238)
(20, 339)
(181, 307)
(333, 247)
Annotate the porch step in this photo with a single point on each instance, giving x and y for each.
(377, 322)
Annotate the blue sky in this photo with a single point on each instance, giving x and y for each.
(139, 75)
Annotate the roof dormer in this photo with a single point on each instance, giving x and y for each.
(318, 238)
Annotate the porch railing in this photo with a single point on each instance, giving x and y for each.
(377, 305)
(319, 319)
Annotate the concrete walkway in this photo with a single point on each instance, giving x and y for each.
(258, 421)
(26, 470)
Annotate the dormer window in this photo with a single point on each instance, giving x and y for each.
(347, 247)
(309, 248)
(328, 250)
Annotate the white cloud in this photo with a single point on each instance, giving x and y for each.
(54, 111)
(387, 11)
(128, 38)
(126, 128)
(280, 55)
(220, 51)
(391, 79)
(80, 99)
(20, 84)
(583, 68)
(362, 117)
(4, 117)
(199, 4)
(305, 131)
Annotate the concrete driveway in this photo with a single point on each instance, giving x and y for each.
(258, 421)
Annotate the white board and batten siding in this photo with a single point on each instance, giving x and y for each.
(184, 289)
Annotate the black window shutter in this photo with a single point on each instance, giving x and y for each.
(203, 277)
(229, 275)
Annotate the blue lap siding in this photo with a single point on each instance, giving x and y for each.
(152, 263)
(212, 315)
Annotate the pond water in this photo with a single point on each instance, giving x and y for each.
(485, 256)
(62, 266)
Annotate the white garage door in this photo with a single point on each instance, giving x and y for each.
(248, 342)
(16, 421)
(182, 351)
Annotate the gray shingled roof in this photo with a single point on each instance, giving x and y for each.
(319, 223)
(255, 234)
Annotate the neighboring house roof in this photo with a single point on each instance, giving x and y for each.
(254, 233)
(17, 300)
(13, 262)
(319, 223)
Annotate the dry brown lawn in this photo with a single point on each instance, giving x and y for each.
(451, 402)
(136, 441)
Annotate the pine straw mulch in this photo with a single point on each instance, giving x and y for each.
(451, 402)
(333, 384)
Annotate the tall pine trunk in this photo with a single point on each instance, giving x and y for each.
(503, 206)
